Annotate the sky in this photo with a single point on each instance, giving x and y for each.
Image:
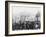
(23, 10)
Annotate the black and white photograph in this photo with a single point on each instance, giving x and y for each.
(25, 18)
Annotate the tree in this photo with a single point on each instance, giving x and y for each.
(37, 16)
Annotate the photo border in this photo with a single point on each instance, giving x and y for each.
(6, 18)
